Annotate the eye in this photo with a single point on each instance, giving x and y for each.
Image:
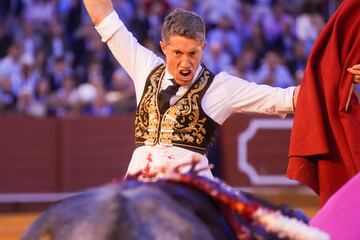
(193, 54)
(177, 53)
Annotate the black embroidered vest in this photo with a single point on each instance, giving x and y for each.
(183, 124)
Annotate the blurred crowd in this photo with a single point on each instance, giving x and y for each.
(52, 62)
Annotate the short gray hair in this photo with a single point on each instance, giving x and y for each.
(183, 23)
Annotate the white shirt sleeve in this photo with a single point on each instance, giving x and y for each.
(228, 94)
(136, 60)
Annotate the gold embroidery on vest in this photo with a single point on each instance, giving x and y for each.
(181, 122)
(147, 119)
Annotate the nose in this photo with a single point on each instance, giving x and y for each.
(185, 62)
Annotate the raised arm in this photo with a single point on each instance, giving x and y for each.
(98, 9)
(137, 61)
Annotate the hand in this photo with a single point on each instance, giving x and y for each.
(356, 71)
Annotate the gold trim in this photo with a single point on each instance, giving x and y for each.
(181, 122)
(147, 117)
(184, 116)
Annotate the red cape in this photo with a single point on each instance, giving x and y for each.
(325, 140)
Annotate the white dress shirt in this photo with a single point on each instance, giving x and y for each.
(227, 94)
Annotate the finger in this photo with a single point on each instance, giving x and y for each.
(354, 71)
(356, 79)
(357, 66)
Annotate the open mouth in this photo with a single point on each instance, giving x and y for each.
(185, 73)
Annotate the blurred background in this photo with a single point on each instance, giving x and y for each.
(67, 107)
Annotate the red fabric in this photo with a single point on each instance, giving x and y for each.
(324, 148)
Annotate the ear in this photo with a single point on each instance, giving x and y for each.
(163, 46)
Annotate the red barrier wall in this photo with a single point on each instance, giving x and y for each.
(255, 150)
(28, 160)
(72, 154)
(56, 155)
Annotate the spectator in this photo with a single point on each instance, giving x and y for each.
(190, 5)
(72, 17)
(100, 107)
(214, 10)
(26, 105)
(58, 72)
(30, 39)
(273, 22)
(308, 25)
(246, 22)
(11, 8)
(140, 24)
(286, 41)
(28, 76)
(7, 98)
(55, 43)
(39, 12)
(273, 72)
(126, 10)
(155, 12)
(40, 61)
(66, 99)
(122, 94)
(225, 34)
(257, 41)
(244, 65)
(10, 65)
(215, 58)
(42, 96)
(298, 62)
(81, 48)
(5, 40)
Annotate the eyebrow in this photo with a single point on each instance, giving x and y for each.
(190, 51)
